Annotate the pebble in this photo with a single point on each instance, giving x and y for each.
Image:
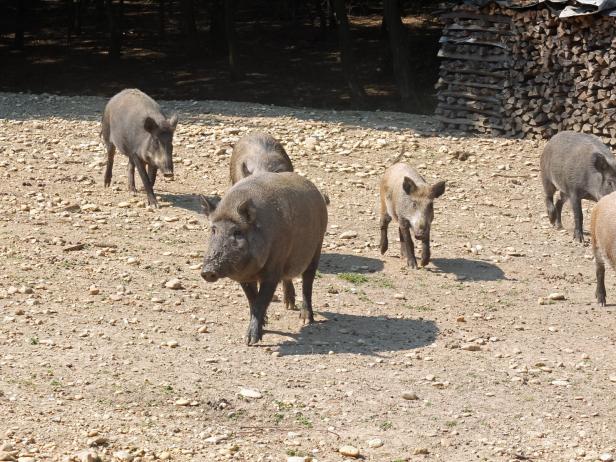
(349, 451)
(560, 383)
(98, 441)
(612, 378)
(174, 284)
(6, 456)
(88, 456)
(418, 451)
(202, 330)
(410, 396)
(172, 344)
(298, 459)
(348, 235)
(182, 402)
(94, 290)
(163, 455)
(375, 443)
(249, 393)
(399, 296)
(123, 455)
(470, 347)
(124, 205)
(606, 457)
(556, 296)
(26, 459)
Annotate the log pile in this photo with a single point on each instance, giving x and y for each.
(527, 72)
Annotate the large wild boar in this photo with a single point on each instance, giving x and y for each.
(267, 228)
(135, 125)
(408, 199)
(257, 153)
(580, 166)
(603, 238)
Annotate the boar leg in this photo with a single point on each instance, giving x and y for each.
(288, 295)
(131, 176)
(549, 190)
(562, 198)
(402, 248)
(425, 251)
(385, 220)
(578, 218)
(307, 282)
(258, 309)
(152, 169)
(600, 272)
(407, 245)
(146, 182)
(108, 170)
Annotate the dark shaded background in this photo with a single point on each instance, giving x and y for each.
(286, 55)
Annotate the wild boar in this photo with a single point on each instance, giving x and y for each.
(407, 198)
(267, 228)
(603, 239)
(135, 125)
(257, 153)
(580, 166)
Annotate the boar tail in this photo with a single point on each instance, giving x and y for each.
(325, 197)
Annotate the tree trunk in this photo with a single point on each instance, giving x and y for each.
(346, 51)
(399, 45)
(20, 22)
(218, 39)
(114, 20)
(161, 18)
(231, 38)
(189, 27)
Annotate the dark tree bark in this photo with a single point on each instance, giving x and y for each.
(20, 23)
(231, 38)
(161, 18)
(346, 51)
(400, 52)
(189, 26)
(114, 19)
(218, 38)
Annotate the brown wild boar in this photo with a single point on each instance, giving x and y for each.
(603, 239)
(580, 166)
(408, 199)
(257, 153)
(267, 228)
(135, 125)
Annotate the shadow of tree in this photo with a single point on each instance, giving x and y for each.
(335, 263)
(470, 270)
(350, 333)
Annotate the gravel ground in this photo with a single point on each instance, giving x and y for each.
(466, 359)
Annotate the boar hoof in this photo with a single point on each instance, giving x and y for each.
(578, 236)
(601, 299)
(306, 316)
(411, 263)
(254, 335)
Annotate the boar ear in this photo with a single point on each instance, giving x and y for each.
(601, 163)
(150, 125)
(173, 121)
(409, 185)
(245, 170)
(437, 189)
(247, 211)
(209, 204)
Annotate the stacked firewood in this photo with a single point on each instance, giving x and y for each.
(553, 74)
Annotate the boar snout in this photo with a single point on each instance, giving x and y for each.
(209, 275)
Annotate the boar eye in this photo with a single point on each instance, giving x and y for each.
(213, 231)
(238, 234)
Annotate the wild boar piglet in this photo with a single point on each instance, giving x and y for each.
(603, 239)
(257, 153)
(408, 199)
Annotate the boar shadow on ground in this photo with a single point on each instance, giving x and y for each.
(352, 333)
(183, 201)
(336, 263)
(467, 270)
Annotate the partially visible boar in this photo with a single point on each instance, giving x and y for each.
(257, 153)
(603, 238)
(267, 228)
(580, 166)
(135, 125)
(408, 199)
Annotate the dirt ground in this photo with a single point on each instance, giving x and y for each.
(457, 361)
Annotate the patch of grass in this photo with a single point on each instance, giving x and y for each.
(303, 420)
(451, 423)
(383, 282)
(278, 417)
(34, 340)
(385, 425)
(56, 384)
(296, 453)
(237, 414)
(421, 308)
(282, 406)
(167, 389)
(318, 275)
(354, 278)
